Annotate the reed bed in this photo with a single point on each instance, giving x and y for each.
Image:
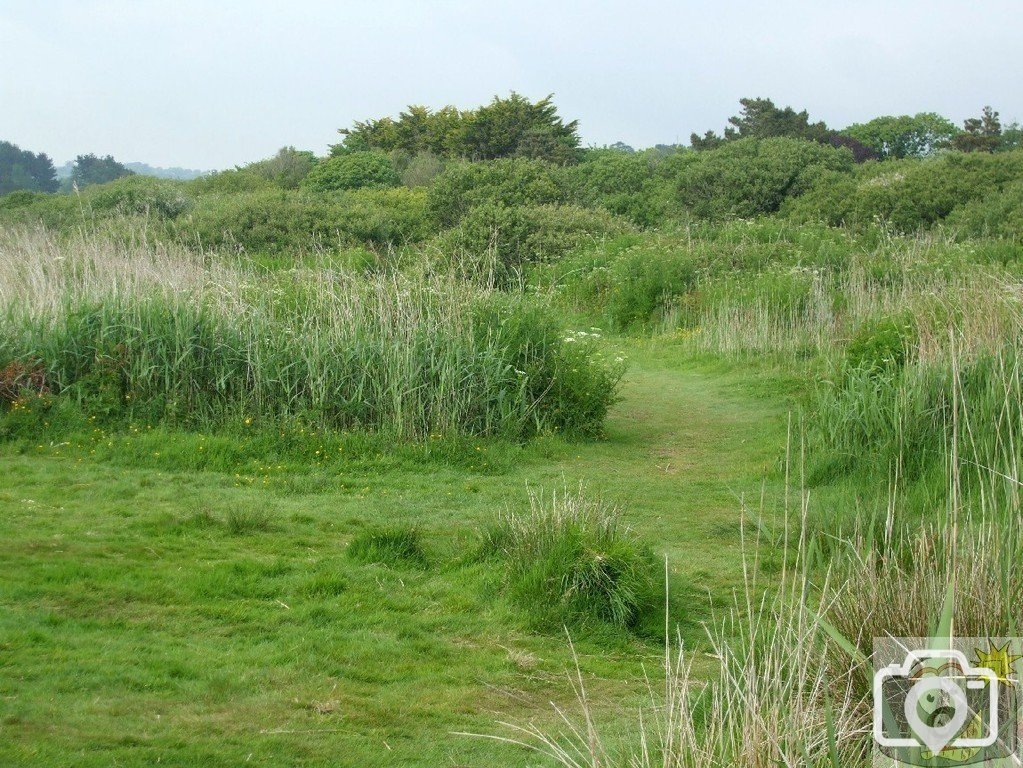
(186, 337)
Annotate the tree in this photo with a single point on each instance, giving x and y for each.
(21, 169)
(980, 134)
(1012, 137)
(895, 137)
(90, 169)
(761, 119)
(506, 127)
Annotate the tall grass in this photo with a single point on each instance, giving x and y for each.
(170, 334)
(570, 560)
(791, 684)
(813, 310)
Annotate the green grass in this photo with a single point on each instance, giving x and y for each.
(156, 610)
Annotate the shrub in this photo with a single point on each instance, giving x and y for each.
(998, 214)
(352, 170)
(508, 183)
(630, 281)
(141, 195)
(230, 182)
(279, 220)
(623, 183)
(908, 194)
(511, 237)
(20, 198)
(51, 210)
(286, 169)
(421, 170)
(569, 561)
(396, 546)
(751, 177)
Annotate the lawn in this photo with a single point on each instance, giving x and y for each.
(153, 614)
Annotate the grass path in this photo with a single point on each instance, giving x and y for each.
(142, 620)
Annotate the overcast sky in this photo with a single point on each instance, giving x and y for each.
(210, 84)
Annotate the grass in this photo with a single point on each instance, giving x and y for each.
(136, 619)
(570, 562)
(298, 576)
(397, 546)
(158, 333)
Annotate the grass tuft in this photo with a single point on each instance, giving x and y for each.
(569, 561)
(395, 546)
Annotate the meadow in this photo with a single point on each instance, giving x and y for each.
(374, 461)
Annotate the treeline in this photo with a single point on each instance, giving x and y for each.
(385, 187)
(421, 141)
(888, 137)
(22, 170)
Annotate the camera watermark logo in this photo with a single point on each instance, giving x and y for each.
(945, 705)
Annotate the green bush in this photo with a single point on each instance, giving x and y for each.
(508, 238)
(624, 183)
(421, 169)
(570, 562)
(55, 211)
(752, 177)
(908, 194)
(286, 169)
(230, 182)
(352, 170)
(21, 198)
(566, 373)
(629, 281)
(141, 195)
(508, 183)
(998, 214)
(280, 220)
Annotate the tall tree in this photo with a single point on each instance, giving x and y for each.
(761, 119)
(22, 169)
(980, 134)
(506, 127)
(90, 169)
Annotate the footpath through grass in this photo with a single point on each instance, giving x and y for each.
(151, 615)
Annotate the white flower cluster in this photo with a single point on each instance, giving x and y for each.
(593, 333)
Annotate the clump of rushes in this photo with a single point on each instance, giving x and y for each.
(396, 546)
(570, 561)
(155, 333)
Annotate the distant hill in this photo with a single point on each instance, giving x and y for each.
(143, 169)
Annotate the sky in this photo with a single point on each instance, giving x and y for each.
(210, 84)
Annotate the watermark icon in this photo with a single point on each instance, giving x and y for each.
(947, 702)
